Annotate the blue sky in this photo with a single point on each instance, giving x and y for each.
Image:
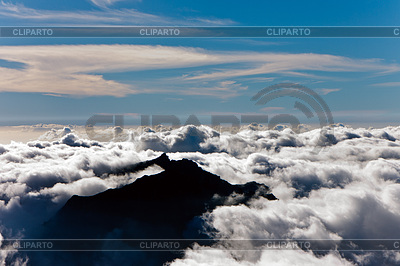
(66, 80)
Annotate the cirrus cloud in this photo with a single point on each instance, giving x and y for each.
(79, 70)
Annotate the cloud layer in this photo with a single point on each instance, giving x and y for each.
(349, 190)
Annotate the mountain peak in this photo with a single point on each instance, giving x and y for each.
(160, 206)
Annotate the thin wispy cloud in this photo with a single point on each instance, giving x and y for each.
(294, 63)
(224, 90)
(104, 3)
(105, 15)
(78, 70)
(258, 79)
(211, 21)
(327, 91)
(387, 84)
(173, 99)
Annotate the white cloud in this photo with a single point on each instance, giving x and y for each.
(207, 256)
(349, 190)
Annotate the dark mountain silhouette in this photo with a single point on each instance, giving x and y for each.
(167, 205)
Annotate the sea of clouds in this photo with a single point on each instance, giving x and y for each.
(341, 183)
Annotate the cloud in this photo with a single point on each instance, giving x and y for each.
(104, 16)
(223, 89)
(293, 63)
(63, 69)
(104, 3)
(350, 189)
(173, 99)
(387, 84)
(78, 70)
(208, 256)
(327, 91)
(346, 192)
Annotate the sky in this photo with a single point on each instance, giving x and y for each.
(67, 80)
(330, 186)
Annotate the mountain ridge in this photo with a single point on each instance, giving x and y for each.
(167, 205)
